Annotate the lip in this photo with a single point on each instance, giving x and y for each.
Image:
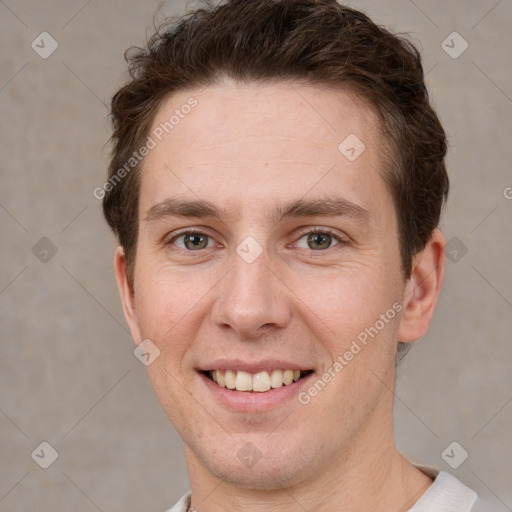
(244, 401)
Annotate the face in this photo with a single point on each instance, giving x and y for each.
(267, 254)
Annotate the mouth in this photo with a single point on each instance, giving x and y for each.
(260, 382)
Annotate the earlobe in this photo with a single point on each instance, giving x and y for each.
(126, 293)
(422, 289)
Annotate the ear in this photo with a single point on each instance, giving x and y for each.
(422, 289)
(127, 296)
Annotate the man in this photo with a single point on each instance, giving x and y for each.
(276, 183)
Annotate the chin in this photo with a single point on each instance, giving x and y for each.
(257, 463)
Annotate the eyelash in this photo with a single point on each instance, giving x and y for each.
(323, 231)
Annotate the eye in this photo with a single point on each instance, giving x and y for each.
(315, 239)
(192, 241)
(318, 240)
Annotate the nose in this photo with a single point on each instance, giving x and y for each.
(252, 300)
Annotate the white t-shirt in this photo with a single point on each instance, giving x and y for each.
(446, 494)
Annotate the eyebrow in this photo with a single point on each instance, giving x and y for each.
(328, 207)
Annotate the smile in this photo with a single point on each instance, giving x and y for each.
(255, 382)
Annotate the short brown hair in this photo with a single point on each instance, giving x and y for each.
(319, 42)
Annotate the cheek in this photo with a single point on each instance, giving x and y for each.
(158, 312)
(162, 297)
(170, 309)
(351, 300)
(355, 318)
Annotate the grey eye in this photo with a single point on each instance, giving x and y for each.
(317, 241)
(194, 241)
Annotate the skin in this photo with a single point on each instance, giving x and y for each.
(247, 148)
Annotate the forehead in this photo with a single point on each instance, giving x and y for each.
(260, 141)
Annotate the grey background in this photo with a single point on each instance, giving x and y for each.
(68, 375)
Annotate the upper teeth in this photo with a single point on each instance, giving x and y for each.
(262, 381)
